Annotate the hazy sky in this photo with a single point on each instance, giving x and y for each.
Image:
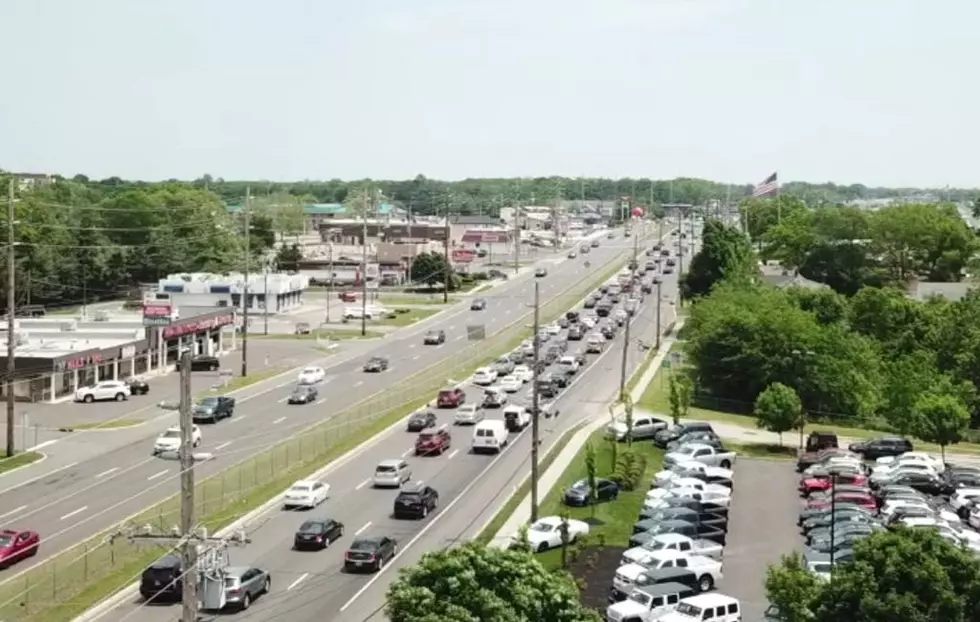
(872, 91)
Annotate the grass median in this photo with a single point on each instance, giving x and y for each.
(69, 583)
(9, 463)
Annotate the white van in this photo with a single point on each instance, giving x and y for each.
(490, 435)
(709, 607)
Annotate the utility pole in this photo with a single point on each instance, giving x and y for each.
(517, 239)
(265, 297)
(629, 321)
(659, 303)
(189, 551)
(446, 275)
(366, 203)
(11, 312)
(535, 408)
(326, 319)
(680, 242)
(245, 300)
(411, 254)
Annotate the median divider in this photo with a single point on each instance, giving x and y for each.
(72, 581)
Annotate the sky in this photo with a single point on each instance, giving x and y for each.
(880, 92)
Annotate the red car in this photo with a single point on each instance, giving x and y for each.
(17, 545)
(434, 442)
(859, 499)
(450, 398)
(347, 296)
(821, 482)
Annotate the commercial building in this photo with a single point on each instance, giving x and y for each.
(57, 356)
(319, 215)
(272, 292)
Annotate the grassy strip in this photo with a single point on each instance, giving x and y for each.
(405, 319)
(71, 582)
(240, 382)
(434, 299)
(109, 424)
(517, 497)
(9, 463)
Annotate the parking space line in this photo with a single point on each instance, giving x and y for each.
(358, 487)
(160, 474)
(283, 400)
(104, 473)
(416, 357)
(366, 526)
(78, 511)
(279, 420)
(412, 345)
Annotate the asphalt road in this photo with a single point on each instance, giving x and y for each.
(311, 586)
(98, 479)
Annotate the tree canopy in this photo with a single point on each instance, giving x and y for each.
(725, 254)
(472, 583)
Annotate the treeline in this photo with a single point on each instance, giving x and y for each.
(849, 248)
(872, 359)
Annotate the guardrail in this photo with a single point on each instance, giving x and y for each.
(67, 584)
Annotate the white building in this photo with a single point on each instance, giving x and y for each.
(275, 292)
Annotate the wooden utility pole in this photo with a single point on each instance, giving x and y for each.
(629, 320)
(245, 300)
(11, 313)
(447, 273)
(365, 201)
(535, 407)
(187, 527)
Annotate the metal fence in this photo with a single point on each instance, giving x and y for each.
(67, 584)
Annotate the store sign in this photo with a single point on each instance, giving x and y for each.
(79, 362)
(157, 313)
(194, 326)
(463, 255)
(127, 352)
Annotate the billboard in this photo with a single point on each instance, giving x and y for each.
(463, 255)
(158, 313)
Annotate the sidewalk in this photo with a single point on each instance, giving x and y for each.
(549, 478)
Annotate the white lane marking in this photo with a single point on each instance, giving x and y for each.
(358, 487)
(458, 338)
(104, 473)
(12, 512)
(416, 357)
(34, 479)
(412, 345)
(279, 420)
(78, 511)
(318, 402)
(405, 455)
(237, 418)
(452, 454)
(366, 526)
(42, 445)
(452, 327)
(160, 474)
(283, 400)
(358, 383)
(297, 582)
(222, 446)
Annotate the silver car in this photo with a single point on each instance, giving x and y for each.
(468, 414)
(244, 584)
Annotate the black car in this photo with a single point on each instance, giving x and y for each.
(376, 364)
(960, 479)
(137, 386)
(647, 288)
(369, 553)
(578, 493)
(670, 264)
(663, 437)
(561, 380)
(203, 362)
(923, 482)
(435, 337)
(695, 504)
(318, 533)
(695, 436)
(607, 331)
(682, 527)
(478, 304)
(572, 316)
(497, 274)
(576, 332)
(669, 269)
(692, 516)
(881, 447)
(421, 420)
(714, 523)
(416, 500)
(547, 387)
(303, 394)
(213, 409)
(162, 580)
(603, 310)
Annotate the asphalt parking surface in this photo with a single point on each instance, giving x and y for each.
(762, 528)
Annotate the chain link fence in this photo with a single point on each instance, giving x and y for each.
(67, 584)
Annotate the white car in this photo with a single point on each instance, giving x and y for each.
(546, 532)
(689, 482)
(910, 465)
(903, 469)
(568, 363)
(524, 373)
(890, 506)
(588, 322)
(974, 518)
(106, 390)
(170, 440)
(306, 494)
(484, 376)
(621, 314)
(312, 375)
(553, 329)
(511, 384)
(657, 502)
(470, 414)
(910, 456)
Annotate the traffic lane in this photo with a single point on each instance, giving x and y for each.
(762, 528)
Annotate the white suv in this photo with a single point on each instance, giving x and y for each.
(106, 390)
(169, 441)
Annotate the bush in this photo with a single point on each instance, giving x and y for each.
(480, 276)
(629, 470)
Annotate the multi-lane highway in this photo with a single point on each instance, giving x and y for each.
(311, 586)
(72, 496)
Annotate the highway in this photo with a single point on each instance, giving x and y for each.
(72, 497)
(311, 586)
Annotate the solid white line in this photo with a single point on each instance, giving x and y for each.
(237, 418)
(222, 446)
(160, 474)
(358, 487)
(12, 512)
(78, 511)
(279, 420)
(366, 526)
(458, 338)
(452, 454)
(104, 473)
(297, 582)
(34, 479)
(42, 445)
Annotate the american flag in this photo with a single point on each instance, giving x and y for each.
(767, 186)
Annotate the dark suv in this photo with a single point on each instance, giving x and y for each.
(881, 447)
(435, 337)
(433, 442)
(161, 580)
(416, 500)
(663, 437)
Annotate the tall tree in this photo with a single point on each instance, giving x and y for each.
(725, 254)
(941, 419)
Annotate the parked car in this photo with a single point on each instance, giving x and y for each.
(317, 533)
(643, 426)
(578, 493)
(549, 533)
(682, 576)
(212, 409)
(663, 437)
(202, 362)
(701, 453)
(685, 528)
(103, 391)
(672, 542)
(883, 446)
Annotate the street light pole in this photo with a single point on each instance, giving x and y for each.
(245, 300)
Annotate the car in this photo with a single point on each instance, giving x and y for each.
(578, 493)
(318, 533)
(169, 440)
(808, 459)
(311, 375)
(432, 442)
(503, 366)
(420, 420)
(302, 394)
(303, 328)
(376, 364)
(875, 448)
(450, 398)
(550, 532)
(306, 493)
(202, 362)
(243, 584)
(369, 553)
(524, 373)
(594, 244)
(572, 254)
(859, 499)
(213, 408)
(824, 481)
(434, 337)
(391, 473)
(17, 546)
(137, 386)
(590, 303)
(484, 376)
(703, 453)
(102, 391)
(540, 272)
(416, 500)
(468, 414)
(643, 426)
(478, 304)
(569, 364)
(511, 384)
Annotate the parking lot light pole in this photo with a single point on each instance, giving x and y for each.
(800, 358)
(833, 522)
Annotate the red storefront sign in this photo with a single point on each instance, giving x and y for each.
(463, 255)
(79, 362)
(157, 309)
(193, 326)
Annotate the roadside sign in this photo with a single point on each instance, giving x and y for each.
(665, 364)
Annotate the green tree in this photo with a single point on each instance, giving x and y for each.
(778, 409)
(628, 419)
(762, 214)
(791, 240)
(431, 269)
(725, 254)
(590, 473)
(927, 240)
(941, 419)
(284, 212)
(679, 396)
(793, 589)
(474, 582)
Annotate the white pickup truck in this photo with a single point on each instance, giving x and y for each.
(672, 542)
(705, 454)
(707, 570)
(709, 474)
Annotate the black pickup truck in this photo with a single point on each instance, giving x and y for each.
(213, 409)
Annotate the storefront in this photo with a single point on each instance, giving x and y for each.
(201, 334)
